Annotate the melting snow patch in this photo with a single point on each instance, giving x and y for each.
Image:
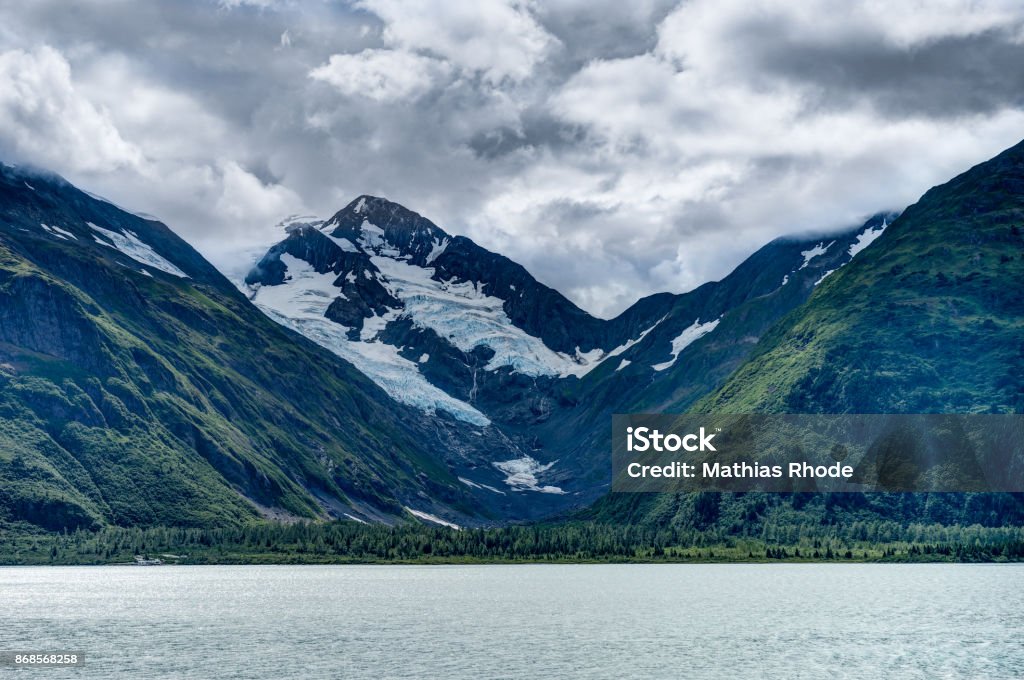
(130, 245)
(685, 339)
(586, 362)
(866, 238)
(785, 280)
(813, 253)
(522, 474)
(824, 276)
(623, 364)
(471, 483)
(343, 243)
(424, 358)
(432, 518)
(30, 186)
(62, 234)
(438, 248)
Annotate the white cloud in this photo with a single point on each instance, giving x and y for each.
(691, 29)
(614, 149)
(497, 38)
(381, 75)
(244, 199)
(44, 119)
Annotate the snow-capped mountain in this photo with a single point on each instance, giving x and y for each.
(462, 333)
(137, 386)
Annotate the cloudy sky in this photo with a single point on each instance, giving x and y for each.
(614, 148)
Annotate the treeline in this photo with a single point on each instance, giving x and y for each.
(351, 542)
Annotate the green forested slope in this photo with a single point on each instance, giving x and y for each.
(928, 319)
(132, 396)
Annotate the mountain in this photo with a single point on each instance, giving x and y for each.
(929, 319)
(138, 387)
(374, 366)
(446, 326)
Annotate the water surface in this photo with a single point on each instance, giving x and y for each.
(532, 621)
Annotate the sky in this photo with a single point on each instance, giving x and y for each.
(615, 149)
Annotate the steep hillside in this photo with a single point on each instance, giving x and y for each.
(138, 387)
(929, 319)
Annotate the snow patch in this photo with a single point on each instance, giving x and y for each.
(372, 237)
(432, 518)
(345, 244)
(588, 361)
(866, 238)
(358, 210)
(436, 250)
(522, 474)
(785, 280)
(130, 245)
(424, 358)
(623, 364)
(375, 325)
(690, 334)
(814, 252)
(824, 276)
(62, 234)
(471, 483)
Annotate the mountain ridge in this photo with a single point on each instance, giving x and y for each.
(432, 318)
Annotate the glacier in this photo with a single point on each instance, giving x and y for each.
(300, 304)
(522, 474)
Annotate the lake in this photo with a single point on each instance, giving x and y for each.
(531, 621)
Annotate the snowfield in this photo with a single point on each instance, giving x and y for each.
(814, 252)
(689, 335)
(866, 238)
(130, 245)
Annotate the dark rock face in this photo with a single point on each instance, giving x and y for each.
(46, 319)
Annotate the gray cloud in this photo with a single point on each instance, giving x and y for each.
(615, 149)
(950, 76)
